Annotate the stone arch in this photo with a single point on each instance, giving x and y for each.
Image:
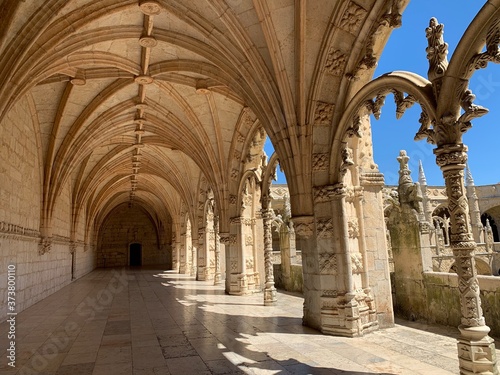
(492, 216)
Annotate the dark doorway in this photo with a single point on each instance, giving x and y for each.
(135, 254)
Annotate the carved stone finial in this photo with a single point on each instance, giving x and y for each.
(404, 172)
(421, 175)
(437, 50)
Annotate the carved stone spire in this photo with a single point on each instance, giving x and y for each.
(469, 181)
(421, 175)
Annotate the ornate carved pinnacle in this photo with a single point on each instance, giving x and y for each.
(421, 175)
(437, 49)
(404, 172)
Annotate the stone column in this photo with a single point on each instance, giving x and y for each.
(194, 259)
(269, 289)
(304, 229)
(237, 278)
(217, 274)
(476, 350)
(286, 255)
(202, 260)
(175, 253)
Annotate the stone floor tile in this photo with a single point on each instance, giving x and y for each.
(76, 369)
(187, 365)
(113, 369)
(147, 357)
(114, 354)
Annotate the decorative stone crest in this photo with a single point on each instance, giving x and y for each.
(327, 263)
(324, 227)
(234, 266)
(249, 240)
(249, 263)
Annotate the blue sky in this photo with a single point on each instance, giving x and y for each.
(405, 50)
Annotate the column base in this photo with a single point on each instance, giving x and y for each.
(217, 279)
(476, 351)
(270, 298)
(350, 315)
(238, 284)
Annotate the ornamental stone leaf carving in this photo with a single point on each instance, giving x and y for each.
(320, 162)
(353, 228)
(356, 262)
(323, 114)
(352, 18)
(335, 62)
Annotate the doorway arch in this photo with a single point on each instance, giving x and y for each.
(135, 254)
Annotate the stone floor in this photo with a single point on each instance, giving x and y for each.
(147, 321)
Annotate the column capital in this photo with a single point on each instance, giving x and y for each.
(450, 155)
(303, 225)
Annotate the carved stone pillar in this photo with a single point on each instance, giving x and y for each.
(202, 260)
(237, 278)
(476, 350)
(194, 258)
(304, 229)
(217, 273)
(269, 289)
(175, 253)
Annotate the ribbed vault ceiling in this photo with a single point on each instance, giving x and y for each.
(141, 100)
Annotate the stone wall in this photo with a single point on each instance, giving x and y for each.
(36, 276)
(296, 280)
(124, 226)
(443, 299)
